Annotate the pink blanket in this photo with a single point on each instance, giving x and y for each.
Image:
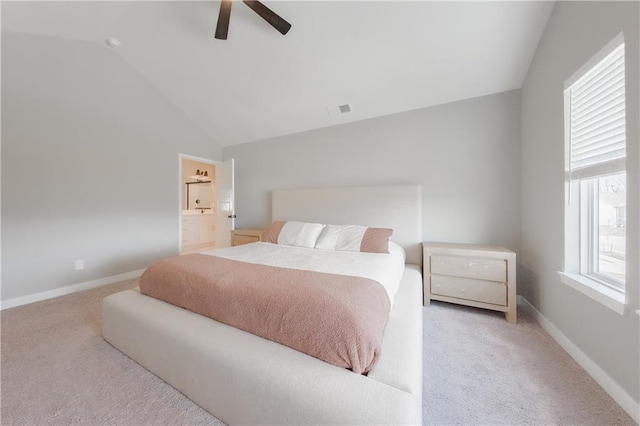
(337, 318)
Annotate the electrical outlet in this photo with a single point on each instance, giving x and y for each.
(79, 264)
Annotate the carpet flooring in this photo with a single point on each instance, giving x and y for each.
(478, 369)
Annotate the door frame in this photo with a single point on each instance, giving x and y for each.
(180, 189)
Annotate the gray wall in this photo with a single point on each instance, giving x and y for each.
(466, 156)
(89, 165)
(575, 32)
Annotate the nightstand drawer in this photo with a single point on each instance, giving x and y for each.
(478, 268)
(246, 236)
(238, 240)
(470, 289)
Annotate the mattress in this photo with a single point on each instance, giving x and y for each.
(387, 269)
(339, 319)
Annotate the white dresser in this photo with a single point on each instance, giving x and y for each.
(473, 275)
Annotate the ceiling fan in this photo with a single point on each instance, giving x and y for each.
(267, 14)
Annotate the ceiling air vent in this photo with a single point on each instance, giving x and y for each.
(345, 108)
(338, 110)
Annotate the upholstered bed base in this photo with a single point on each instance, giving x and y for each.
(244, 379)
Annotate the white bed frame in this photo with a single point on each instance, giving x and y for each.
(244, 379)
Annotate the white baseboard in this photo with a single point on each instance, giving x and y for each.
(50, 294)
(628, 404)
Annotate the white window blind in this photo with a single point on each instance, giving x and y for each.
(597, 114)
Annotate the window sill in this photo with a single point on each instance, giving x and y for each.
(598, 292)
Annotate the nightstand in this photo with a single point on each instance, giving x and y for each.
(472, 275)
(246, 236)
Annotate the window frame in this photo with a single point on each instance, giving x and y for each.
(581, 239)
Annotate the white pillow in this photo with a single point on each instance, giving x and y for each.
(301, 234)
(341, 237)
(354, 238)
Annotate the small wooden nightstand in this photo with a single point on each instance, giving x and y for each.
(246, 236)
(472, 275)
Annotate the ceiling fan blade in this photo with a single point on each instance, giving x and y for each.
(222, 28)
(269, 15)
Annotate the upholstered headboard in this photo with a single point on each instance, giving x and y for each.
(394, 206)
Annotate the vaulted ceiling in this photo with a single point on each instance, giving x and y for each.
(379, 57)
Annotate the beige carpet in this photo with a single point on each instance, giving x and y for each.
(56, 369)
(479, 369)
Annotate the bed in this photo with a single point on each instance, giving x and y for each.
(245, 379)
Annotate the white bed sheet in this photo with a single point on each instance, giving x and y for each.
(387, 269)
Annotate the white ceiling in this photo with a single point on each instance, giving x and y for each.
(381, 57)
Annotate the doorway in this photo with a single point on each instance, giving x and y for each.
(198, 213)
(206, 195)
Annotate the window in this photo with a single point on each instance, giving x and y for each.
(604, 200)
(595, 147)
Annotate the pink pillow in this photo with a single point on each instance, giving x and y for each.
(271, 235)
